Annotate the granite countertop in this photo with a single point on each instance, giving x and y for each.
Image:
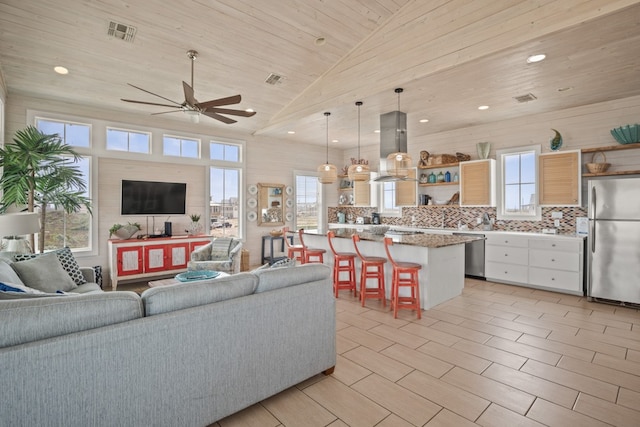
(424, 240)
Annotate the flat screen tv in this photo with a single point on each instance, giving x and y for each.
(153, 198)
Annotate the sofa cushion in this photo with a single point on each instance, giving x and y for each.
(220, 248)
(44, 273)
(8, 274)
(67, 260)
(163, 299)
(28, 320)
(276, 278)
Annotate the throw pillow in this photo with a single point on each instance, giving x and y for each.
(44, 273)
(67, 260)
(220, 249)
(8, 274)
(287, 262)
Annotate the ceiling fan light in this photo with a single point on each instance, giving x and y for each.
(398, 164)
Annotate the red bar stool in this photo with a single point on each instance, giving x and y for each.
(311, 254)
(404, 274)
(372, 267)
(293, 251)
(342, 262)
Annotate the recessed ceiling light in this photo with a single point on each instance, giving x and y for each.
(376, 131)
(291, 132)
(60, 70)
(536, 58)
(483, 107)
(249, 110)
(424, 120)
(334, 140)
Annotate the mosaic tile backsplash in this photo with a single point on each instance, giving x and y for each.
(451, 216)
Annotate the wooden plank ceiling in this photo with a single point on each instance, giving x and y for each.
(450, 56)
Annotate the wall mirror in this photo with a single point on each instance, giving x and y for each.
(270, 204)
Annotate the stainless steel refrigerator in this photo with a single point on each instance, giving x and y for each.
(613, 244)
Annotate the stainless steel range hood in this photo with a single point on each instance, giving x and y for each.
(393, 139)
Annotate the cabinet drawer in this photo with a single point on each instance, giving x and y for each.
(555, 279)
(507, 240)
(554, 260)
(509, 272)
(507, 255)
(556, 245)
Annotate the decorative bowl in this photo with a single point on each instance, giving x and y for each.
(378, 229)
(126, 232)
(275, 233)
(628, 134)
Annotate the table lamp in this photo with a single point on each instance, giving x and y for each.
(14, 226)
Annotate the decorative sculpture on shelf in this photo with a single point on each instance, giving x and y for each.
(427, 159)
(556, 142)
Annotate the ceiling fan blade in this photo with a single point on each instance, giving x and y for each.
(154, 94)
(165, 112)
(216, 116)
(241, 113)
(149, 103)
(188, 94)
(218, 102)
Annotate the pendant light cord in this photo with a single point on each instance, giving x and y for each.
(327, 114)
(359, 103)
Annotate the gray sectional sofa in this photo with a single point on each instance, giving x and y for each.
(179, 355)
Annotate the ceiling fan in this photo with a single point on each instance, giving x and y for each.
(192, 107)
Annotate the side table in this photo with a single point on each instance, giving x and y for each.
(270, 257)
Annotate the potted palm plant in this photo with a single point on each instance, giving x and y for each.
(38, 171)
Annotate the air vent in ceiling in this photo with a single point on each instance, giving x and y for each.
(121, 31)
(274, 79)
(525, 98)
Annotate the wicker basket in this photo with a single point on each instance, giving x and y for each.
(594, 167)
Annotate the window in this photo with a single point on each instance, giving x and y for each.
(517, 183)
(181, 147)
(131, 141)
(74, 134)
(307, 202)
(224, 151)
(74, 229)
(224, 202)
(388, 199)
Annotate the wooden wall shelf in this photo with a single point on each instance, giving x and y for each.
(612, 148)
(444, 165)
(432, 184)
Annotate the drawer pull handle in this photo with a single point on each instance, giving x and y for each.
(553, 260)
(553, 245)
(506, 254)
(553, 279)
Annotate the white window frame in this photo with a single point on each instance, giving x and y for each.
(182, 139)
(321, 197)
(501, 213)
(226, 144)
(129, 131)
(65, 123)
(395, 211)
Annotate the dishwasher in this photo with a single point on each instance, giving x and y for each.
(473, 256)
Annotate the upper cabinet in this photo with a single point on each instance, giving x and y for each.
(477, 183)
(357, 193)
(407, 191)
(559, 178)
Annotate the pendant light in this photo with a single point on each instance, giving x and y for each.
(359, 172)
(399, 163)
(327, 173)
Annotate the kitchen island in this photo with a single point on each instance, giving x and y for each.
(441, 257)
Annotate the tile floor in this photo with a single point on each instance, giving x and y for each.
(497, 355)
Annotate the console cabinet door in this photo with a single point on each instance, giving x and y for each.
(155, 258)
(178, 255)
(129, 260)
